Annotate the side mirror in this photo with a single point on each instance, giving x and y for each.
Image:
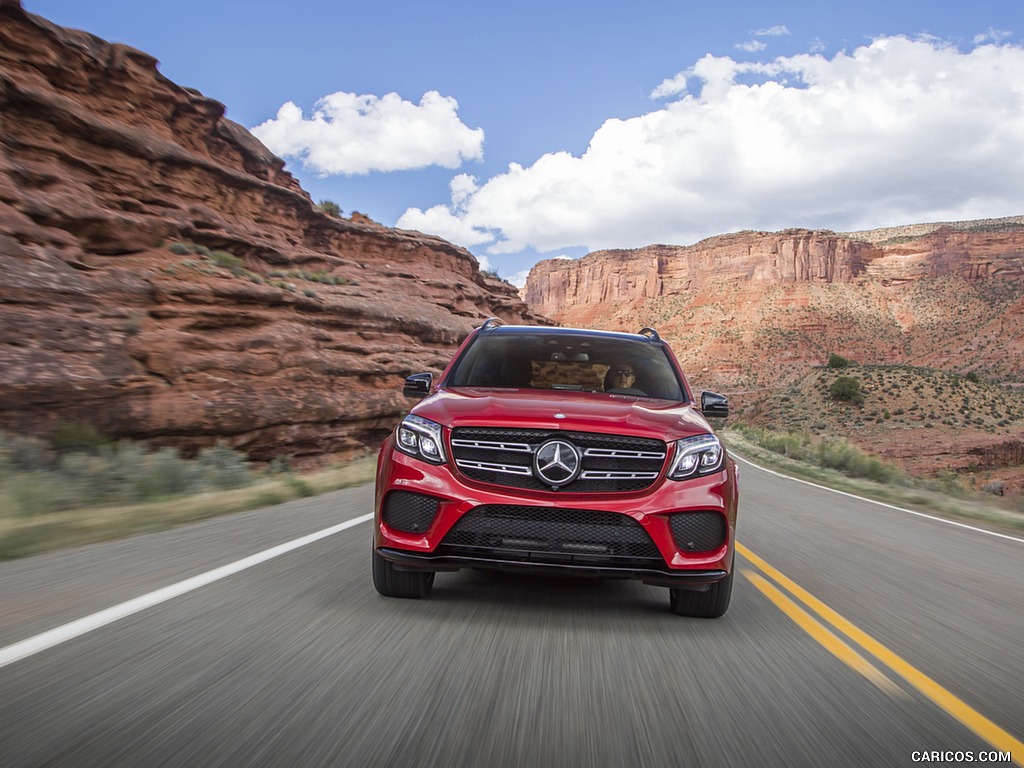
(714, 406)
(418, 385)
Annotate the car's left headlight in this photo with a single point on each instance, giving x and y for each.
(695, 456)
(421, 438)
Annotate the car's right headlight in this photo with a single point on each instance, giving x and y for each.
(421, 438)
(695, 456)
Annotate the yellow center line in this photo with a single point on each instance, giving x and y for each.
(823, 634)
(947, 701)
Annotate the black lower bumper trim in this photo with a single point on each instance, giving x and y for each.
(416, 561)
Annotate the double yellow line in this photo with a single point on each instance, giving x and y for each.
(994, 735)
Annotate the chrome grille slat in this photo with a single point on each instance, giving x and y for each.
(610, 463)
(601, 475)
(614, 454)
(487, 445)
(509, 469)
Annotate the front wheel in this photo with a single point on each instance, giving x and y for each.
(710, 604)
(392, 583)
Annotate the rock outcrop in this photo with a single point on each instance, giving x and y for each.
(756, 308)
(163, 277)
(752, 314)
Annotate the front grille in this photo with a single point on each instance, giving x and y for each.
(697, 531)
(551, 535)
(410, 512)
(610, 463)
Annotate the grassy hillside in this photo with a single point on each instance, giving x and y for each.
(930, 423)
(891, 398)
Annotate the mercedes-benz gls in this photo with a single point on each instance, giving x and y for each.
(559, 451)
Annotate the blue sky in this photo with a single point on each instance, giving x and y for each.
(533, 130)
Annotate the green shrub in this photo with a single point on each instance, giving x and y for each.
(36, 478)
(279, 465)
(855, 462)
(844, 388)
(229, 261)
(329, 207)
(831, 453)
(300, 486)
(837, 361)
(77, 436)
(223, 468)
(24, 454)
(167, 474)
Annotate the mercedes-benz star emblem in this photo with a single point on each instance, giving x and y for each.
(556, 463)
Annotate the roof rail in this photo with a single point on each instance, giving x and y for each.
(491, 322)
(650, 333)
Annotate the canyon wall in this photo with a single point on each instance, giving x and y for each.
(163, 277)
(757, 308)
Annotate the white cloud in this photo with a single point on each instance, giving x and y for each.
(449, 222)
(777, 31)
(442, 221)
(751, 46)
(671, 86)
(519, 279)
(351, 134)
(462, 186)
(993, 35)
(897, 131)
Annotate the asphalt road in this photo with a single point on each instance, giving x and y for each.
(858, 635)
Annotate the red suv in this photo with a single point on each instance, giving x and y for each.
(559, 451)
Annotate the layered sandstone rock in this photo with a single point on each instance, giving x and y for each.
(752, 314)
(163, 277)
(667, 270)
(756, 308)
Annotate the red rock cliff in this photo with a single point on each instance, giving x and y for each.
(663, 270)
(164, 278)
(757, 308)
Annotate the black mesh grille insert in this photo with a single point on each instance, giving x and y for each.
(615, 463)
(547, 535)
(698, 531)
(411, 512)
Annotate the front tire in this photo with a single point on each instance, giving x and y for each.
(710, 604)
(393, 583)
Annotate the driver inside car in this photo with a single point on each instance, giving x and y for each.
(619, 377)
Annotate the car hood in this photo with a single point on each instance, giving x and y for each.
(563, 410)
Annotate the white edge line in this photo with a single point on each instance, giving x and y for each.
(33, 645)
(879, 503)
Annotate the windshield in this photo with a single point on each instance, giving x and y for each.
(568, 362)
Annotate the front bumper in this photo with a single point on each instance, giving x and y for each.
(410, 561)
(437, 539)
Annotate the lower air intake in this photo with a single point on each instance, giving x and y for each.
(551, 535)
(698, 531)
(409, 512)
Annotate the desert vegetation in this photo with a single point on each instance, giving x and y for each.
(205, 261)
(329, 207)
(78, 486)
(840, 464)
(933, 427)
(831, 453)
(894, 396)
